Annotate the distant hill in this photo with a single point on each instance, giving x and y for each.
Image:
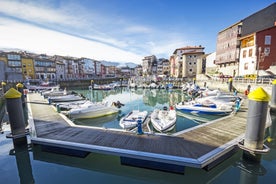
(117, 64)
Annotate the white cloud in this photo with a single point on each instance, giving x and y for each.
(32, 12)
(91, 32)
(137, 29)
(28, 37)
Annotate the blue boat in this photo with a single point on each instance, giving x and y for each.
(200, 108)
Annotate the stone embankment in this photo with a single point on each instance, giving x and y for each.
(240, 85)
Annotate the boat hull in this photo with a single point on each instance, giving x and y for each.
(202, 110)
(94, 112)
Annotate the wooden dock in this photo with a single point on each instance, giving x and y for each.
(201, 147)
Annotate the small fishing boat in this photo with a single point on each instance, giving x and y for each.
(130, 120)
(201, 108)
(93, 110)
(163, 120)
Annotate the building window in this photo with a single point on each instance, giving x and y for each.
(266, 51)
(13, 57)
(250, 53)
(267, 40)
(245, 66)
(244, 54)
(14, 63)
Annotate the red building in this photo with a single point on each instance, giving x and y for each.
(266, 43)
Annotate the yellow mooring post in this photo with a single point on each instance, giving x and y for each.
(3, 84)
(256, 122)
(19, 87)
(15, 112)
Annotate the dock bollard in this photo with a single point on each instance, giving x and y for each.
(58, 108)
(19, 87)
(273, 97)
(139, 126)
(256, 122)
(15, 112)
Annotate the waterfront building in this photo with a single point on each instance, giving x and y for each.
(192, 61)
(211, 67)
(87, 68)
(28, 69)
(237, 51)
(125, 71)
(149, 65)
(3, 62)
(227, 49)
(266, 43)
(256, 55)
(60, 69)
(259, 21)
(176, 63)
(110, 71)
(98, 70)
(13, 65)
(186, 62)
(138, 70)
(247, 56)
(163, 67)
(45, 67)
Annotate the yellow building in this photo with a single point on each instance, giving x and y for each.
(4, 58)
(28, 68)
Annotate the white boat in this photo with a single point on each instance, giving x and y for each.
(163, 120)
(55, 91)
(208, 108)
(64, 98)
(92, 111)
(219, 99)
(74, 104)
(208, 92)
(130, 120)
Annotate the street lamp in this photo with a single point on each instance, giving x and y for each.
(258, 60)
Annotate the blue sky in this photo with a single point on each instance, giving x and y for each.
(118, 30)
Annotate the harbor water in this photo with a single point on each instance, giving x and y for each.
(22, 162)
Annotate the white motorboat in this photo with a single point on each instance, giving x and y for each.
(64, 98)
(55, 91)
(219, 99)
(164, 120)
(130, 120)
(74, 104)
(207, 108)
(93, 110)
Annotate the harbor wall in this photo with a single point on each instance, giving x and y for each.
(239, 85)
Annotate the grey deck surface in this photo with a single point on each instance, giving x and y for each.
(192, 144)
